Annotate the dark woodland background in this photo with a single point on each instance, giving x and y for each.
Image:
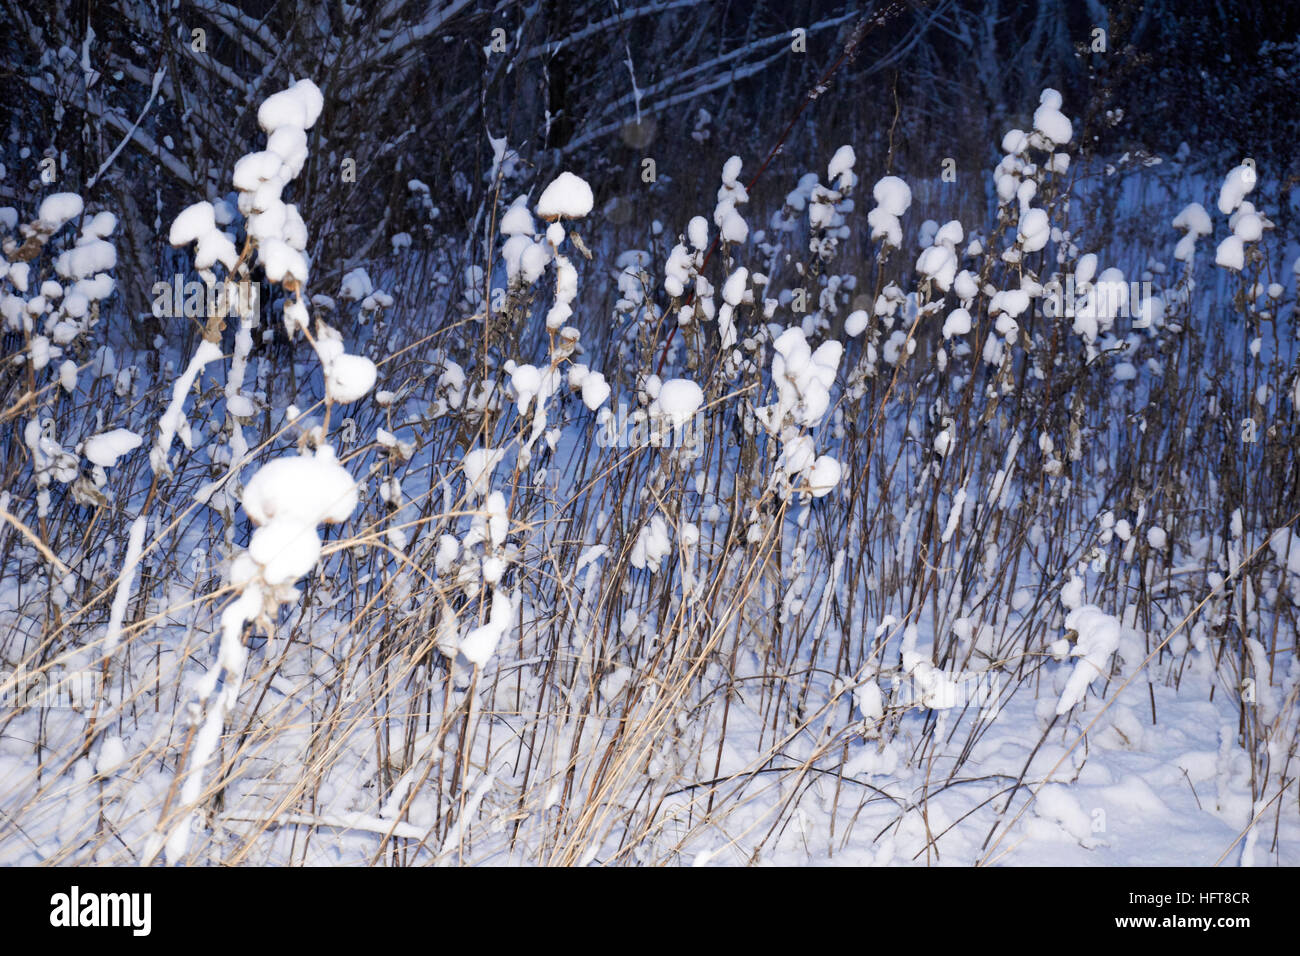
(412, 93)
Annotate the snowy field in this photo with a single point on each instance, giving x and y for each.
(818, 528)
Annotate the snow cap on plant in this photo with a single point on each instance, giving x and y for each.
(893, 197)
(567, 197)
(731, 225)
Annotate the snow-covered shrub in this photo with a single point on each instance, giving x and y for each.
(290, 497)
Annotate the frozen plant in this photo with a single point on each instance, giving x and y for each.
(288, 498)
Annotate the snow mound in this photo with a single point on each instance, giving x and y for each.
(679, 399)
(287, 499)
(567, 197)
(299, 107)
(1098, 638)
(106, 448)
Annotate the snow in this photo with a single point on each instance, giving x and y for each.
(197, 224)
(803, 378)
(1012, 302)
(18, 273)
(1050, 121)
(533, 261)
(958, 322)
(513, 251)
(301, 486)
(76, 304)
(481, 643)
(68, 375)
(214, 247)
(254, 169)
(678, 400)
(1034, 230)
(41, 352)
(347, 377)
(797, 455)
(89, 256)
(939, 265)
(965, 287)
(58, 209)
(568, 197)
(290, 144)
(296, 315)
(929, 229)
(595, 390)
(527, 382)
(173, 418)
(96, 288)
(1246, 224)
(566, 290)
(954, 515)
(1236, 185)
(106, 448)
(840, 168)
(126, 581)
(731, 225)
(1231, 254)
(111, 755)
(733, 290)
(652, 544)
(677, 271)
(350, 377)
(697, 231)
(892, 195)
(1085, 269)
(949, 234)
(479, 464)
(518, 221)
(1194, 219)
(294, 230)
(1098, 638)
(287, 499)
(943, 442)
(355, 286)
(282, 262)
(1285, 545)
(1054, 802)
(298, 107)
(823, 475)
(194, 221)
(100, 226)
